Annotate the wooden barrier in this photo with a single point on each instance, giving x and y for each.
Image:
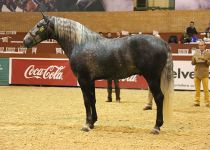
(140, 21)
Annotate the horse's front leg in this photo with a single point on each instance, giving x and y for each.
(85, 85)
(93, 102)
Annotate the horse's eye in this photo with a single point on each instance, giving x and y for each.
(41, 29)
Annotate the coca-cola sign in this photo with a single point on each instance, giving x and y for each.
(51, 72)
(134, 81)
(42, 72)
(130, 79)
(58, 72)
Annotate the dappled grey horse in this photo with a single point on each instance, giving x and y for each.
(94, 57)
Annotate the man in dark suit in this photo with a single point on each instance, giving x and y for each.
(191, 30)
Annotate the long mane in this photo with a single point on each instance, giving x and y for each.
(73, 31)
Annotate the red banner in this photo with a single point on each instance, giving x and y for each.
(57, 72)
(133, 82)
(42, 72)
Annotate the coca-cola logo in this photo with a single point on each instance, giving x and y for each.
(52, 72)
(130, 79)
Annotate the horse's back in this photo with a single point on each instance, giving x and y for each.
(139, 48)
(149, 53)
(122, 57)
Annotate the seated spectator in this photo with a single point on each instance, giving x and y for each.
(208, 29)
(173, 39)
(109, 35)
(118, 35)
(156, 33)
(50, 5)
(185, 38)
(6, 39)
(191, 31)
(124, 33)
(207, 37)
(194, 38)
(101, 34)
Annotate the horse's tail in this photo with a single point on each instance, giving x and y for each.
(167, 86)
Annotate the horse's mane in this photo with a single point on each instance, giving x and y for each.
(73, 31)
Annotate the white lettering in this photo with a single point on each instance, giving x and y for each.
(51, 73)
(130, 79)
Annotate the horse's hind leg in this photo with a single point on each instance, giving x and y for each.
(154, 85)
(85, 85)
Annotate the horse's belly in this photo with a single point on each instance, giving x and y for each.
(116, 73)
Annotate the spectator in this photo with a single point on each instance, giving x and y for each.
(6, 39)
(201, 60)
(173, 39)
(191, 31)
(208, 29)
(109, 35)
(101, 33)
(207, 37)
(50, 5)
(185, 37)
(116, 83)
(118, 35)
(156, 33)
(117, 90)
(149, 103)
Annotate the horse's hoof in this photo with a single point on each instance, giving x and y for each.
(86, 128)
(155, 131)
(91, 126)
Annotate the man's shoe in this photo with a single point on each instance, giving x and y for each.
(196, 105)
(147, 107)
(118, 100)
(109, 100)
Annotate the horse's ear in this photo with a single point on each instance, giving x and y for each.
(44, 17)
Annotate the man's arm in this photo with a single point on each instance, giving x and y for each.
(195, 31)
(193, 61)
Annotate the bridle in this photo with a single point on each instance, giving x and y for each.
(46, 27)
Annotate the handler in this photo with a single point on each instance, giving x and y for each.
(201, 60)
(117, 90)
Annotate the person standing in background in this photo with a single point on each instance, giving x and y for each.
(201, 60)
(149, 101)
(116, 81)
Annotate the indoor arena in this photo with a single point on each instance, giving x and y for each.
(101, 74)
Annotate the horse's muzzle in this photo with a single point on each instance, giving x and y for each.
(27, 42)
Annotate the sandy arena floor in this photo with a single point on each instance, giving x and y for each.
(50, 118)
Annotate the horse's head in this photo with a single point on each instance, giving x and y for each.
(43, 30)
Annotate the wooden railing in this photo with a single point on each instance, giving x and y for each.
(50, 48)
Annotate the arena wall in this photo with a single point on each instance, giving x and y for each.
(140, 21)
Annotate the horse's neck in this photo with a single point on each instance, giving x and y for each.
(71, 34)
